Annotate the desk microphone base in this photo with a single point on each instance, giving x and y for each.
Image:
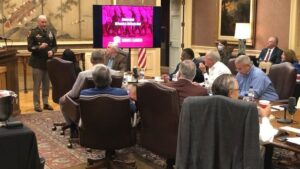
(285, 121)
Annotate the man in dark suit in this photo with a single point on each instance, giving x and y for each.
(114, 59)
(271, 53)
(188, 54)
(185, 86)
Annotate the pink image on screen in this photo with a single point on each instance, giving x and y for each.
(131, 24)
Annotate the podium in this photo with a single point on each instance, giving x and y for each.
(8, 59)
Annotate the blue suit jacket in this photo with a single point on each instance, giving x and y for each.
(275, 56)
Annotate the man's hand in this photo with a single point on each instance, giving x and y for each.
(202, 67)
(265, 112)
(43, 45)
(50, 53)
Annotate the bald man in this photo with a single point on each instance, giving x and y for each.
(42, 45)
(271, 53)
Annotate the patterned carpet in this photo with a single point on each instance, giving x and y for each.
(52, 146)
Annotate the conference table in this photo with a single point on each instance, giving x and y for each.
(18, 149)
(24, 57)
(282, 144)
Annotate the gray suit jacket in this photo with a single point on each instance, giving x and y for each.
(217, 132)
(119, 63)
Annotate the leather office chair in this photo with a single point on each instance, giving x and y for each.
(283, 77)
(217, 132)
(105, 125)
(159, 110)
(231, 66)
(62, 76)
(116, 81)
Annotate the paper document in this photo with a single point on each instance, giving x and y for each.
(294, 140)
(290, 129)
(277, 108)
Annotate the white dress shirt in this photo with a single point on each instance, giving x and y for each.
(266, 131)
(215, 71)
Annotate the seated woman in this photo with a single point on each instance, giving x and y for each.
(227, 85)
(290, 56)
(69, 55)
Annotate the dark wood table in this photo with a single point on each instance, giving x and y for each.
(23, 57)
(280, 144)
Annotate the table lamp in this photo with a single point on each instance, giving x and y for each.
(242, 32)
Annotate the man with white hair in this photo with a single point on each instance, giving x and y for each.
(271, 53)
(114, 59)
(215, 67)
(42, 45)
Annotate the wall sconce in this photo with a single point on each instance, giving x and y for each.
(242, 32)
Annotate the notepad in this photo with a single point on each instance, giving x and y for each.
(277, 108)
(294, 140)
(290, 129)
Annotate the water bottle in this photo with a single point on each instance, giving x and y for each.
(246, 97)
(142, 73)
(251, 94)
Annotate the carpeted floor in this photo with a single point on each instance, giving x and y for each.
(52, 146)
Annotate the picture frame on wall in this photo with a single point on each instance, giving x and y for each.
(236, 11)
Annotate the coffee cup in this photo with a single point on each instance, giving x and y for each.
(263, 103)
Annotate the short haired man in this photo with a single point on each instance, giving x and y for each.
(216, 68)
(227, 85)
(96, 58)
(184, 85)
(42, 43)
(188, 54)
(114, 59)
(271, 53)
(251, 76)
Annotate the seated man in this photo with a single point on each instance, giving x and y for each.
(216, 68)
(102, 79)
(188, 54)
(251, 76)
(96, 58)
(184, 85)
(224, 51)
(227, 85)
(271, 53)
(114, 59)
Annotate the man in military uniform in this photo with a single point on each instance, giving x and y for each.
(42, 43)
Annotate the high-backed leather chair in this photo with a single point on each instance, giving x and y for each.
(116, 81)
(159, 110)
(231, 66)
(217, 132)
(62, 76)
(283, 77)
(105, 124)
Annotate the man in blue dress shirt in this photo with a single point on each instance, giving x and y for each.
(249, 75)
(102, 79)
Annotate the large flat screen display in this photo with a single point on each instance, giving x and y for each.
(129, 26)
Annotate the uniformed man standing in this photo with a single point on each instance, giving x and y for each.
(42, 43)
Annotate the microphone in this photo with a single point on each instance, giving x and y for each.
(291, 110)
(4, 38)
(291, 106)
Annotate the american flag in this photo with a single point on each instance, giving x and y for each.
(142, 58)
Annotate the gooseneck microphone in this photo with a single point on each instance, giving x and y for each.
(290, 107)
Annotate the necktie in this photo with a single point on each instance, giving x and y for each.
(268, 56)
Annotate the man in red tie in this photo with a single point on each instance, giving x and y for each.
(271, 53)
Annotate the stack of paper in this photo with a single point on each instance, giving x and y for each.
(290, 129)
(294, 140)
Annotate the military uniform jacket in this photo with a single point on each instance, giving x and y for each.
(39, 56)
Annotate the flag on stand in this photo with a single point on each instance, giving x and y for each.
(142, 59)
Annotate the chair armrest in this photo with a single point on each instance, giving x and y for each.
(71, 108)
